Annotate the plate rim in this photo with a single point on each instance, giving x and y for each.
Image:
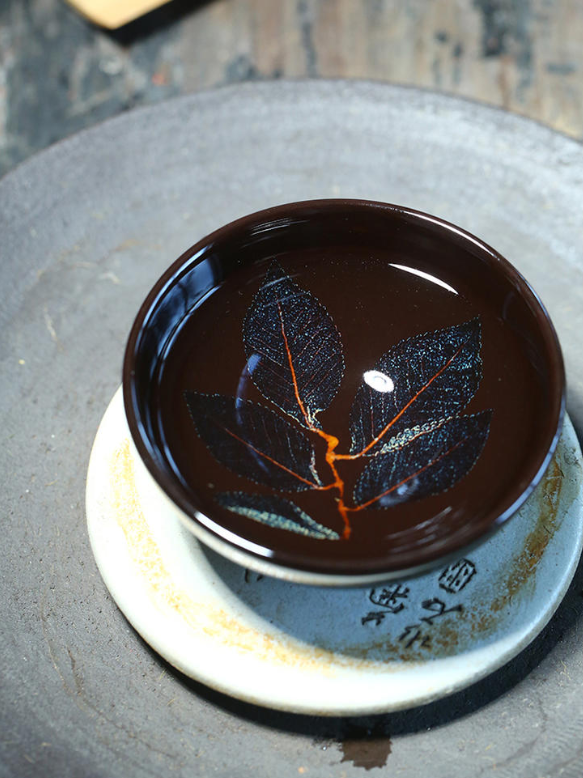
(214, 92)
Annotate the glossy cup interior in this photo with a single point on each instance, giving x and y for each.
(352, 243)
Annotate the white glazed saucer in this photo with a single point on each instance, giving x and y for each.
(318, 650)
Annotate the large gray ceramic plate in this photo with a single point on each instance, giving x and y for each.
(85, 229)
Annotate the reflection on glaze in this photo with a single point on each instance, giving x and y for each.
(406, 421)
(427, 276)
(378, 381)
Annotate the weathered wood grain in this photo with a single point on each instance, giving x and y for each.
(59, 73)
(523, 55)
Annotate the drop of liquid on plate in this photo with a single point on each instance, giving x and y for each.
(366, 753)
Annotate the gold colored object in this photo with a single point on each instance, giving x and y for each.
(114, 13)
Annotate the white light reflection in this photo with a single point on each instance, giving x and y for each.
(426, 276)
(378, 381)
(230, 537)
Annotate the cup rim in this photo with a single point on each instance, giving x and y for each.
(225, 540)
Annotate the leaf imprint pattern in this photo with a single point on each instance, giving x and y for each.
(275, 511)
(411, 435)
(295, 348)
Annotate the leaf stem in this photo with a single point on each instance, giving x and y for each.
(338, 482)
(292, 369)
(331, 441)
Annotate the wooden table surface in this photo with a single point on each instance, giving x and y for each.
(59, 73)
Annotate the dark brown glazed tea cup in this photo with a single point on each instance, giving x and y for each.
(342, 392)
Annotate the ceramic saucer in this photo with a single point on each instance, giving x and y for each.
(328, 651)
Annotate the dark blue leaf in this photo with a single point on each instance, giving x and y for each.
(424, 379)
(275, 512)
(293, 348)
(427, 464)
(254, 442)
